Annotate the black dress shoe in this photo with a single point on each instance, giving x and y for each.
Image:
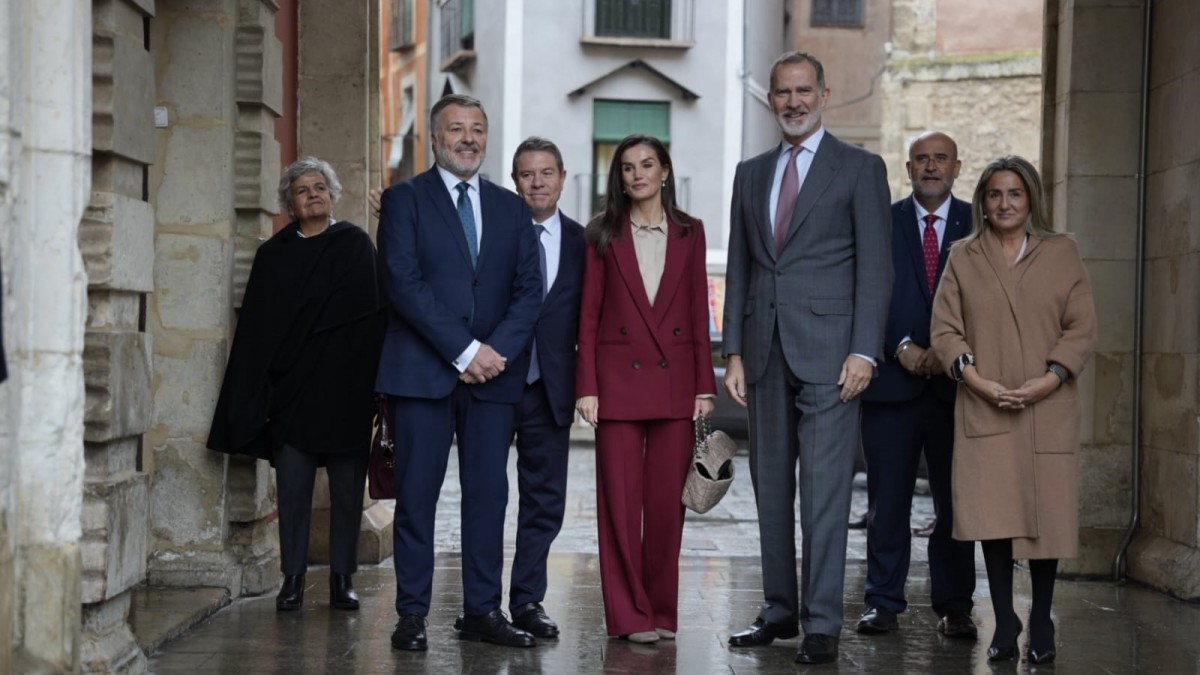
(957, 625)
(1001, 650)
(818, 649)
(410, 633)
(341, 592)
(291, 595)
(877, 620)
(532, 619)
(494, 627)
(762, 633)
(859, 523)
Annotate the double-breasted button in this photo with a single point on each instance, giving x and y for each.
(636, 365)
(624, 330)
(677, 331)
(662, 364)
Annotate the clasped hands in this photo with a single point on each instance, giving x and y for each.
(1032, 391)
(919, 361)
(486, 365)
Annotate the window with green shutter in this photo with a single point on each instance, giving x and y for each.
(633, 18)
(614, 120)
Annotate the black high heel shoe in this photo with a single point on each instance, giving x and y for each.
(1006, 652)
(1043, 655)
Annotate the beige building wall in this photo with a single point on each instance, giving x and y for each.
(943, 72)
(854, 59)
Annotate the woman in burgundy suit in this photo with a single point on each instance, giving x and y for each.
(645, 372)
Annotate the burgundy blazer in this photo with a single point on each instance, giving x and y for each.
(643, 361)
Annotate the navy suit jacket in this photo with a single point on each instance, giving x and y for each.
(557, 327)
(439, 303)
(912, 304)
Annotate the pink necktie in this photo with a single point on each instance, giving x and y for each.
(930, 244)
(788, 191)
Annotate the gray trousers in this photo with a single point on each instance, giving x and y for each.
(794, 422)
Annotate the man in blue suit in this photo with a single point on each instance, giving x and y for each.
(547, 408)
(909, 408)
(461, 269)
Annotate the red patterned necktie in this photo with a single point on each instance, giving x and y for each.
(930, 245)
(789, 190)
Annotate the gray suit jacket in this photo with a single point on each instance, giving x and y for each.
(828, 290)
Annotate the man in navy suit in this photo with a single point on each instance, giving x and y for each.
(547, 408)
(909, 408)
(461, 269)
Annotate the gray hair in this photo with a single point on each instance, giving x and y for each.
(792, 58)
(300, 167)
(461, 100)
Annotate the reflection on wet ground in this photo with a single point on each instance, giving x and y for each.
(1102, 628)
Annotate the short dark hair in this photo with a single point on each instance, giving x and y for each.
(537, 144)
(461, 100)
(789, 58)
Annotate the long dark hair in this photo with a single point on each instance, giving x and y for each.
(606, 225)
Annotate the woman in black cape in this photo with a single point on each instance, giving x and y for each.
(298, 387)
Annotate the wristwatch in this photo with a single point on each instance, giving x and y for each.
(900, 350)
(1058, 370)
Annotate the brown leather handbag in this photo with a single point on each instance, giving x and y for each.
(381, 471)
(711, 472)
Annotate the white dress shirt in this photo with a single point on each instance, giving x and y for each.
(464, 359)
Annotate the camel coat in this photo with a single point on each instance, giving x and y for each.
(1016, 472)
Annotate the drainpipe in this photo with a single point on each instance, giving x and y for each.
(1135, 517)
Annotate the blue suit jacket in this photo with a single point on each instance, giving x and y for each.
(912, 304)
(439, 303)
(557, 328)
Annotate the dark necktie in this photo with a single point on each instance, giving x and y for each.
(466, 215)
(788, 191)
(535, 371)
(930, 244)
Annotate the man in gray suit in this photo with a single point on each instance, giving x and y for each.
(806, 300)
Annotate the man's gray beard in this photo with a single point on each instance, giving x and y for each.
(809, 124)
(449, 163)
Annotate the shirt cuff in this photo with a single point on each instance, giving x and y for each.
(866, 358)
(464, 359)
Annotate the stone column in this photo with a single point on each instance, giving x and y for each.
(45, 176)
(338, 92)
(1089, 160)
(117, 241)
(218, 73)
(1165, 553)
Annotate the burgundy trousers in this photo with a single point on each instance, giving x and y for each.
(640, 470)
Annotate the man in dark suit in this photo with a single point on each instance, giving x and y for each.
(909, 408)
(461, 269)
(547, 408)
(806, 292)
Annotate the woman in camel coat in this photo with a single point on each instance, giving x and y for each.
(1014, 322)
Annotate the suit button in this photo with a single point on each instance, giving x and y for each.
(624, 330)
(476, 283)
(662, 364)
(636, 365)
(677, 331)
(466, 319)
(771, 305)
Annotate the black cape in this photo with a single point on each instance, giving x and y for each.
(302, 367)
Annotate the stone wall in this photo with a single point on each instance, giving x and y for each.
(989, 104)
(218, 77)
(1090, 159)
(1167, 553)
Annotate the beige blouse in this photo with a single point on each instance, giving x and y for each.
(650, 246)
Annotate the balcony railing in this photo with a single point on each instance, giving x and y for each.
(458, 34)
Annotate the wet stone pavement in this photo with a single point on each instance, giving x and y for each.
(1102, 627)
